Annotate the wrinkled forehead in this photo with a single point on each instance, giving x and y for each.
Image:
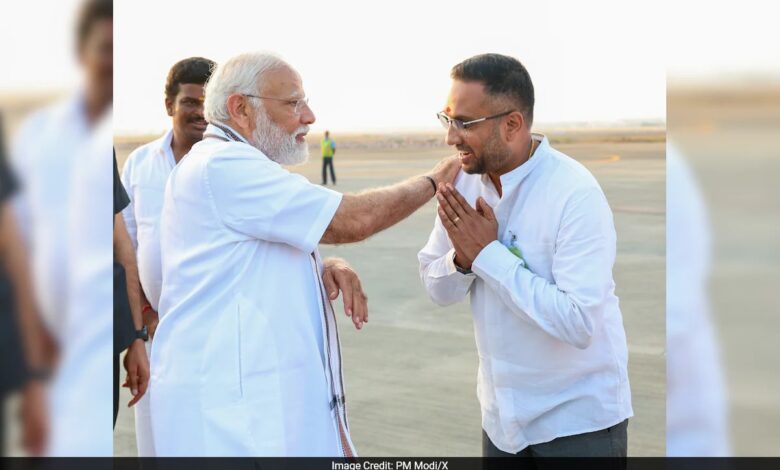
(467, 100)
(283, 82)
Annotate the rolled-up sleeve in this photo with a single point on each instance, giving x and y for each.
(582, 262)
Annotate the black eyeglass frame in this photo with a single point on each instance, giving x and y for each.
(446, 121)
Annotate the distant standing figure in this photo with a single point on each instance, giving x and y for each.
(328, 147)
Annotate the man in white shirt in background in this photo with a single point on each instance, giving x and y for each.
(527, 233)
(144, 176)
(45, 153)
(246, 359)
(57, 150)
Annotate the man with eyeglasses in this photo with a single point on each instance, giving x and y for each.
(527, 233)
(246, 359)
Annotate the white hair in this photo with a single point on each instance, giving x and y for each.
(240, 74)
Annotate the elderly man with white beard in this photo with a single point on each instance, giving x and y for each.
(246, 359)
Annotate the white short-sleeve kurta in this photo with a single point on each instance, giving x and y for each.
(237, 361)
(48, 148)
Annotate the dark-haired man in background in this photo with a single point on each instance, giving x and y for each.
(527, 232)
(45, 153)
(49, 150)
(144, 175)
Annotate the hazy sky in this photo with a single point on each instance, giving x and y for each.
(37, 52)
(384, 65)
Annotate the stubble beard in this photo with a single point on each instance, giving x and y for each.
(493, 156)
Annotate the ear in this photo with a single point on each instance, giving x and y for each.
(515, 125)
(238, 108)
(169, 106)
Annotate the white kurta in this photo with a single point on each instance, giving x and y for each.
(144, 176)
(549, 333)
(237, 362)
(81, 388)
(63, 208)
(48, 147)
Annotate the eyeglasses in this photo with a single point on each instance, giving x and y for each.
(296, 104)
(446, 121)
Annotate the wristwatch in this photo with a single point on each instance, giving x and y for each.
(142, 334)
(40, 373)
(458, 268)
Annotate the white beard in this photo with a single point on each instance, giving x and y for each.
(277, 144)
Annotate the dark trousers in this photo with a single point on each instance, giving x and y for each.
(328, 162)
(609, 442)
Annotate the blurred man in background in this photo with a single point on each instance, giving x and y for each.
(46, 151)
(696, 409)
(328, 148)
(144, 176)
(50, 160)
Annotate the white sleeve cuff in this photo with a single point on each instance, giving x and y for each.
(452, 268)
(494, 262)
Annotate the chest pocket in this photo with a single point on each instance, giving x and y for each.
(537, 250)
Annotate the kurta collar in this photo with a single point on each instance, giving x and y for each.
(164, 147)
(219, 128)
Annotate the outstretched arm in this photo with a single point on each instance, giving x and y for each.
(361, 215)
